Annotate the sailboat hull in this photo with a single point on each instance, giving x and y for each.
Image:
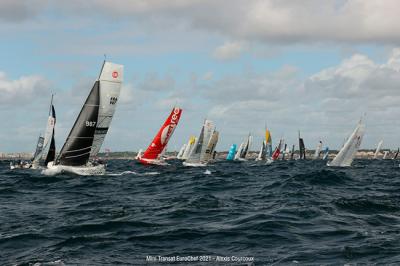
(152, 161)
(88, 170)
(194, 164)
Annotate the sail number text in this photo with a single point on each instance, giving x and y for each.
(90, 123)
(113, 100)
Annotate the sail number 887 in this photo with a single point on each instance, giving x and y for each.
(90, 123)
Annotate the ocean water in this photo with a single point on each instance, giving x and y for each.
(286, 213)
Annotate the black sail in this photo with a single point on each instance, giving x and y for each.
(302, 149)
(76, 149)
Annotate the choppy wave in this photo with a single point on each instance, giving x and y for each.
(285, 213)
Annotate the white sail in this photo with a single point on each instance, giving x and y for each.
(385, 155)
(189, 147)
(318, 150)
(211, 146)
(208, 133)
(239, 151)
(196, 156)
(110, 81)
(347, 153)
(262, 154)
(181, 151)
(378, 149)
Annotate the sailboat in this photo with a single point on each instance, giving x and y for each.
(385, 155)
(347, 153)
(231, 153)
(378, 149)
(48, 151)
(326, 153)
(318, 150)
(244, 149)
(152, 154)
(396, 154)
(263, 152)
(292, 152)
(197, 155)
(181, 151)
(45, 148)
(277, 151)
(91, 126)
(302, 148)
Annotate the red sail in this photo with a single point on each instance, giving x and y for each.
(276, 153)
(160, 141)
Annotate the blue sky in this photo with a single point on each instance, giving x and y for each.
(293, 65)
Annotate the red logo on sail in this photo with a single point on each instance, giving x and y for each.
(115, 74)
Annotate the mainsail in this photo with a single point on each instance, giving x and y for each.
(109, 83)
(302, 148)
(318, 150)
(396, 154)
(378, 149)
(189, 147)
(211, 146)
(231, 153)
(263, 152)
(48, 152)
(348, 151)
(277, 151)
(181, 151)
(268, 139)
(91, 125)
(199, 148)
(160, 141)
(326, 153)
(244, 148)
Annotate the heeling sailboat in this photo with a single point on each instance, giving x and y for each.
(189, 147)
(326, 153)
(152, 155)
(209, 153)
(197, 154)
(231, 153)
(266, 147)
(318, 150)
(378, 149)
(302, 148)
(277, 151)
(263, 152)
(244, 149)
(181, 151)
(396, 154)
(48, 153)
(89, 130)
(347, 153)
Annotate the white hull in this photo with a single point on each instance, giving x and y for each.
(88, 170)
(154, 162)
(194, 164)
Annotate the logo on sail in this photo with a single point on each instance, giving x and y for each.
(115, 74)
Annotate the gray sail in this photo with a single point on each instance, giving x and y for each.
(110, 81)
(39, 147)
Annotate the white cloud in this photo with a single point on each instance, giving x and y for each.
(22, 90)
(229, 50)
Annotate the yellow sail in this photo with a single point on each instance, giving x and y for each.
(192, 140)
(268, 138)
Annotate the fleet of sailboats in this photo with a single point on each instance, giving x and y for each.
(79, 152)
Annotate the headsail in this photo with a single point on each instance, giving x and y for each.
(348, 151)
(109, 83)
(181, 151)
(277, 151)
(396, 154)
(39, 147)
(189, 147)
(263, 152)
(378, 149)
(318, 150)
(160, 141)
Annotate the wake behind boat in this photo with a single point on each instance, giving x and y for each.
(91, 126)
(153, 154)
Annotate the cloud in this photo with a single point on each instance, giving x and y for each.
(23, 90)
(229, 50)
(17, 11)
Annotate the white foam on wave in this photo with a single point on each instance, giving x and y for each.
(207, 172)
(132, 173)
